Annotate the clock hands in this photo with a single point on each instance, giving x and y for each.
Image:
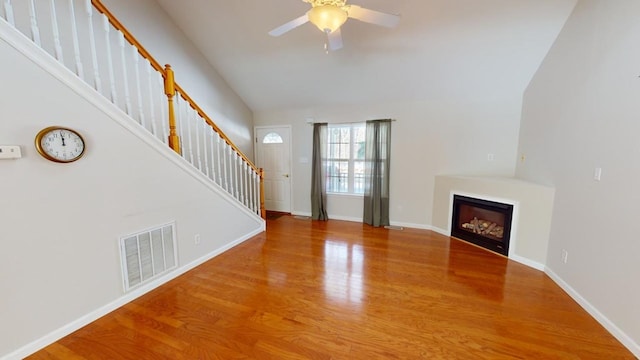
(62, 137)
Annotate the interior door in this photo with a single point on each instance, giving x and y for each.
(273, 154)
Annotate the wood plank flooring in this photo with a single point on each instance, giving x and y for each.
(340, 290)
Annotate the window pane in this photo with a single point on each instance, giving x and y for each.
(339, 143)
(272, 138)
(337, 151)
(358, 177)
(358, 141)
(345, 155)
(337, 176)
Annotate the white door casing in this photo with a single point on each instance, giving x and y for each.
(273, 154)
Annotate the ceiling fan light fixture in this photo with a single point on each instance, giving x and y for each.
(328, 18)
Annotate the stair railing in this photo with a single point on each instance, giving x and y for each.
(104, 54)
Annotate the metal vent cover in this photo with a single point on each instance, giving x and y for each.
(147, 255)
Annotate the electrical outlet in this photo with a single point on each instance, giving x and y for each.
(491, 157)
(565, 256)
(196, 239)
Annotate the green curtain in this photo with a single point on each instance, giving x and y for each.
(376, 173)
(318, 176)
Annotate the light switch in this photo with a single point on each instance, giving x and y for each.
(10, 152)
(597, 174)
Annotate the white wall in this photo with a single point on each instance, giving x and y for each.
(436, 136)
(153, 28)
(61, 223)
(581, 112)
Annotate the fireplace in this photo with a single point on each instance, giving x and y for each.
(482, 222)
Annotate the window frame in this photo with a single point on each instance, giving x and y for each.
(351, 161)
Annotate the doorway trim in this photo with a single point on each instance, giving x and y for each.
(255, 155)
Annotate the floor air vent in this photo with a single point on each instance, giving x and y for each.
(147, 255)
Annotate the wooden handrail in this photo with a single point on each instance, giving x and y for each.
(210, 122)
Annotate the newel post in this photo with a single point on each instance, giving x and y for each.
(263, 211)
(170, 91)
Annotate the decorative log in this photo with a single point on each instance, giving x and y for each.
(476, 225)
(489, 229)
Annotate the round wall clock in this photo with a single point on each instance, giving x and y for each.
(60, 144)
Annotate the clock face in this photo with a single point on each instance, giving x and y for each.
(60, 144)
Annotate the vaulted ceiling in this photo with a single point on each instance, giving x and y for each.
(444, 49)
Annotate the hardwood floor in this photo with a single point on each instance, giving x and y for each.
(340, 290)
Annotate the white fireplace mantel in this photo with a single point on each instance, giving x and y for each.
(533, 204)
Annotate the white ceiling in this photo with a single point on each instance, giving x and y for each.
(444, 49)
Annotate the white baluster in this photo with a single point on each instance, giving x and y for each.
(76, 43)
(238, 177)
(180, 115)
(234, 177)
(245, 182)
(125, 76)
(248, 180)
(252, 205)
(256, 188)
(97, 84)
(256, 197)
(198, 122)
(56, 31)
(35, 32)
(211, 143)
(8, 11)
(205, 132)
(112, 77)
(224, 159)
(252, 189)
(218, 137)
(177, 113)
(232, 169)
(242, 168)
(189, 120)
(136, 71)
(152, 112)
(247, 171)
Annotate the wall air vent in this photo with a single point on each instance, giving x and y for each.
(147, 255)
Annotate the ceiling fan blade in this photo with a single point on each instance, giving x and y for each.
(335, 40)
(373, 17)
(289, 26)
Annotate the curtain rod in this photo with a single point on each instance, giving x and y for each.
(311, 122)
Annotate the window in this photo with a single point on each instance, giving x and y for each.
(272, 138)
(345, 158)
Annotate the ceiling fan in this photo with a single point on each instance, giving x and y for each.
(329, 15)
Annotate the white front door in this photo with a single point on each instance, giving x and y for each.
(273, 154)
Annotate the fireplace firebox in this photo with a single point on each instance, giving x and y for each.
(482, 222)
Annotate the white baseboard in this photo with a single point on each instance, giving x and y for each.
(355, 219)
(86, 319)
(530, 263)
(625, 339)
(440, 231)
(301, 213)
(345, 218)
(412, 225)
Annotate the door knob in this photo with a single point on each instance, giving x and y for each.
(286, 175)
